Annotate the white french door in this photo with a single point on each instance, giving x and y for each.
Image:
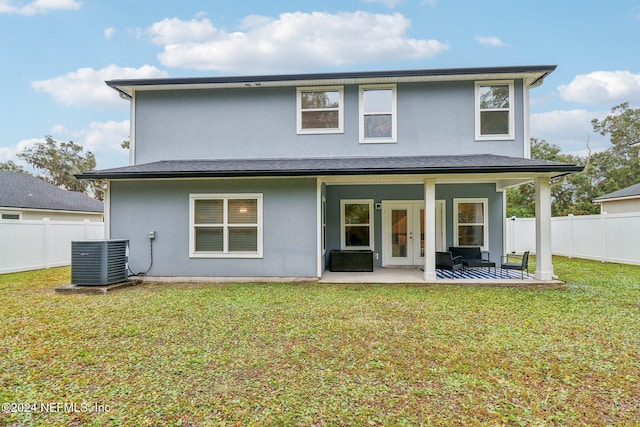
(403, 232)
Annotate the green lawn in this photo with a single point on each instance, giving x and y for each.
(315, 355)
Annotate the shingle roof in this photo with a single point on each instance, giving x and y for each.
(631, 191)
(19, 190)
(482, 163)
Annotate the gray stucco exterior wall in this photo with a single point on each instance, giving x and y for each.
(289, 226)
(433, 119)
(446, 192)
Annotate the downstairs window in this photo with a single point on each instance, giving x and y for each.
(225, 225)
(471, 223)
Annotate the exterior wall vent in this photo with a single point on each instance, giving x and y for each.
(98, 262)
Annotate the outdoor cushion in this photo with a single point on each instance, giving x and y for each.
(472, 256)
(446, 261)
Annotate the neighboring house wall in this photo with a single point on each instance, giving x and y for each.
(433, 119)
(289, 226)
(28, 214)
(620, 206)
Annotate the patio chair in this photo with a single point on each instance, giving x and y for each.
(446, 261)
(522, 265)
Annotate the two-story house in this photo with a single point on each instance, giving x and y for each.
(263, 176)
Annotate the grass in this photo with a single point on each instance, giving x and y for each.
(316, 355)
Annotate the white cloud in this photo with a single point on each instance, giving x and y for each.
(9, 153)
(571, 130)
(99, 137)
(109, 32)
(36, 7)
(103, 139)
(176, 31)
(603, 88)
(293, 41)
(86, 88)
(490, 41)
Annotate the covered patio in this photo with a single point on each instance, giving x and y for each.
(450, 200)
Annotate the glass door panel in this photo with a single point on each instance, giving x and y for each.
(421, 233)
(399, 233)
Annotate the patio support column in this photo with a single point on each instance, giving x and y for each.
(429, 229)
(544, 265)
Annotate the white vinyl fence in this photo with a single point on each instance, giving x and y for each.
(31, 245)
(606, 237)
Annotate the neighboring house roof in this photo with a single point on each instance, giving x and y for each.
(20, 190)
(533, 75)
(630, 192)
(465, 164)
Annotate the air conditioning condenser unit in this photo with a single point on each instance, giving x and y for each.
(98, 262)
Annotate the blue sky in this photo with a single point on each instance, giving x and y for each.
(56, 55)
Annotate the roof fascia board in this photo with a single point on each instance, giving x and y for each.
(532, 75)
(551, 172)
(614, 199)
(503, 180)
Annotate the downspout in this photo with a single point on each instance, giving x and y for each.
(526, 129)
(107, 211)
(132, 130)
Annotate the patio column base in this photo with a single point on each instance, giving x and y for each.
(430, 276)
(544, 275)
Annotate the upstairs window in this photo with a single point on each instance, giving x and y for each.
(494, 110)
(378, 121)
(320, 110)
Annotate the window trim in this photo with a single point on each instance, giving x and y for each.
(343, 226)
(225, 253)
(485, 224)
(299, 110)
(323, 215)
(18, 213)
(394, 113)
(511, 131)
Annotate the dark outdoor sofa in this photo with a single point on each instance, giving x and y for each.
(472, 256)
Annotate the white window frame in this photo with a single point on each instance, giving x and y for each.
(497, 137)
(323, 215)
(394, 114)
(485, 224)
(300, 110)
(225, 253)
(343, 225)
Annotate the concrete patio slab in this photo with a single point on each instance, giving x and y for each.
(94, 290)
(383, 275)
